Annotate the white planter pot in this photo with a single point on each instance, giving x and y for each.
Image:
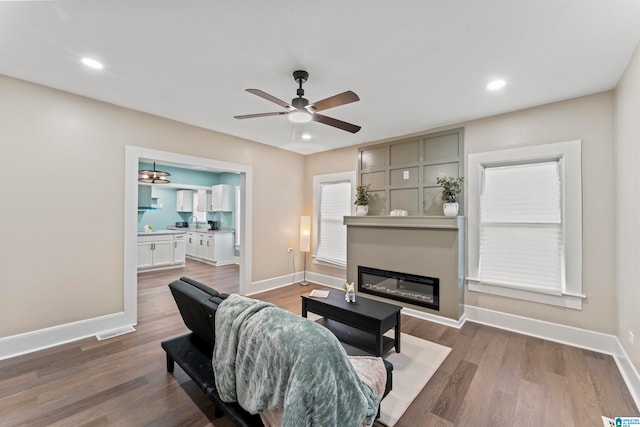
(450, 209)
(362, 210)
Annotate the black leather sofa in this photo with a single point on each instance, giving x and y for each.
(193, 351)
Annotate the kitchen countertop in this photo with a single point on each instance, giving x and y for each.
(158, 232)
(200, 230)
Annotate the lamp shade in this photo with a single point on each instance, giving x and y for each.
(305, 233)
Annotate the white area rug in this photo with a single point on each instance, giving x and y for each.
(412, 368)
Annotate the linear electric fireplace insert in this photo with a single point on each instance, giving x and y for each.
(410, 288)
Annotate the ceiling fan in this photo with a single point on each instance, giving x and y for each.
(300, 111)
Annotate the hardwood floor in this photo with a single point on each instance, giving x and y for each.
(491, 377)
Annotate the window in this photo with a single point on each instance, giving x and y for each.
(201, 215)
(333, 196)
(525, 223)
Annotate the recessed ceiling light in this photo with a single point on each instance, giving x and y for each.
(92, 63)
(306, 136)
(496, 84)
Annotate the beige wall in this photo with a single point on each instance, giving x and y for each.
(588, 118)
(339, 160)
(62, 217)
(627, 128)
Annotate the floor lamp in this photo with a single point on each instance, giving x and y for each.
(305, 243)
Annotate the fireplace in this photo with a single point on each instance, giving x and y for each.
(411, 288)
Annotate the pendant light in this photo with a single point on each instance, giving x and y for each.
(154, 176)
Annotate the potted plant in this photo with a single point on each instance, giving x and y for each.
(362, 200)
(451, 188)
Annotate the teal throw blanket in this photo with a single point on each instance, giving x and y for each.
(269, 359)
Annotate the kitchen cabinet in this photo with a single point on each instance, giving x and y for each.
(221, 198)
(160, 251)
(214, 248)
(184, 201)
(204, 201)
(179, 248)
(201, 245)
(221, 248)
(155, 251)
(190, 245)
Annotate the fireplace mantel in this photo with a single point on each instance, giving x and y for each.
(441, 222)
(430, 246)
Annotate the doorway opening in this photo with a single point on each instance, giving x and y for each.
(135, 155)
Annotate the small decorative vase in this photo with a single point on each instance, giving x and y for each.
(362, 210)
(450, 209)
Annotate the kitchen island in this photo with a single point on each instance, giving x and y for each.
(161, 249)
(215, 247)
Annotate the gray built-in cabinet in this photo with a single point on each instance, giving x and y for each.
(402, 174)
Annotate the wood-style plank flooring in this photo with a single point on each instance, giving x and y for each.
(491, 377)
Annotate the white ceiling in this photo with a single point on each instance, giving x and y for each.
(416, 64)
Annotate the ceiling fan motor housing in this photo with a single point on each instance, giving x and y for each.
(300, 102)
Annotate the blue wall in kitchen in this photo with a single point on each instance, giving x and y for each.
(166, 213)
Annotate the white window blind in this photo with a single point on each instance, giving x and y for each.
(521, 230)
(335, 203)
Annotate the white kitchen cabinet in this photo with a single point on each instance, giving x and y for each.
(221, 248)
(214, 248)
(201, 245)
(204, 201)
(179, 248)
(145, 254)
(184, 201)
(190, 245)
(163, 253)
(221, 198)
(155, 251)
(159, 251)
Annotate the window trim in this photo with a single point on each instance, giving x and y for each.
(570, 154)
(317, 181)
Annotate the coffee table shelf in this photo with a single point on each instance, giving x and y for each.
(360, 339)
(360, 324)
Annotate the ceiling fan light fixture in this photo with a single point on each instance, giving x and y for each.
(153, 176)
(299, 116)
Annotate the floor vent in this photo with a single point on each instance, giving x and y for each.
(114, 333)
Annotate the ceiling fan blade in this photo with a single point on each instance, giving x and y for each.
(268, 97)
(251, 116)
(335, 101)
(335, 123)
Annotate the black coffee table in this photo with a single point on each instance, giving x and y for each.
(360, 324)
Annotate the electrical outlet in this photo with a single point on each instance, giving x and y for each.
(289, 250)
(631, 337)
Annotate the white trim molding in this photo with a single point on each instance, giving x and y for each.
(273, 283)
(435, 318)
(323, 279)
(563, 334)
(29, 342)
(569, 155)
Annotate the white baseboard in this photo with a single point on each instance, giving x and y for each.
(29, 342)
(274, 283)
(434, 318)
(629, 374)
(323, 279)
(577, 337)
